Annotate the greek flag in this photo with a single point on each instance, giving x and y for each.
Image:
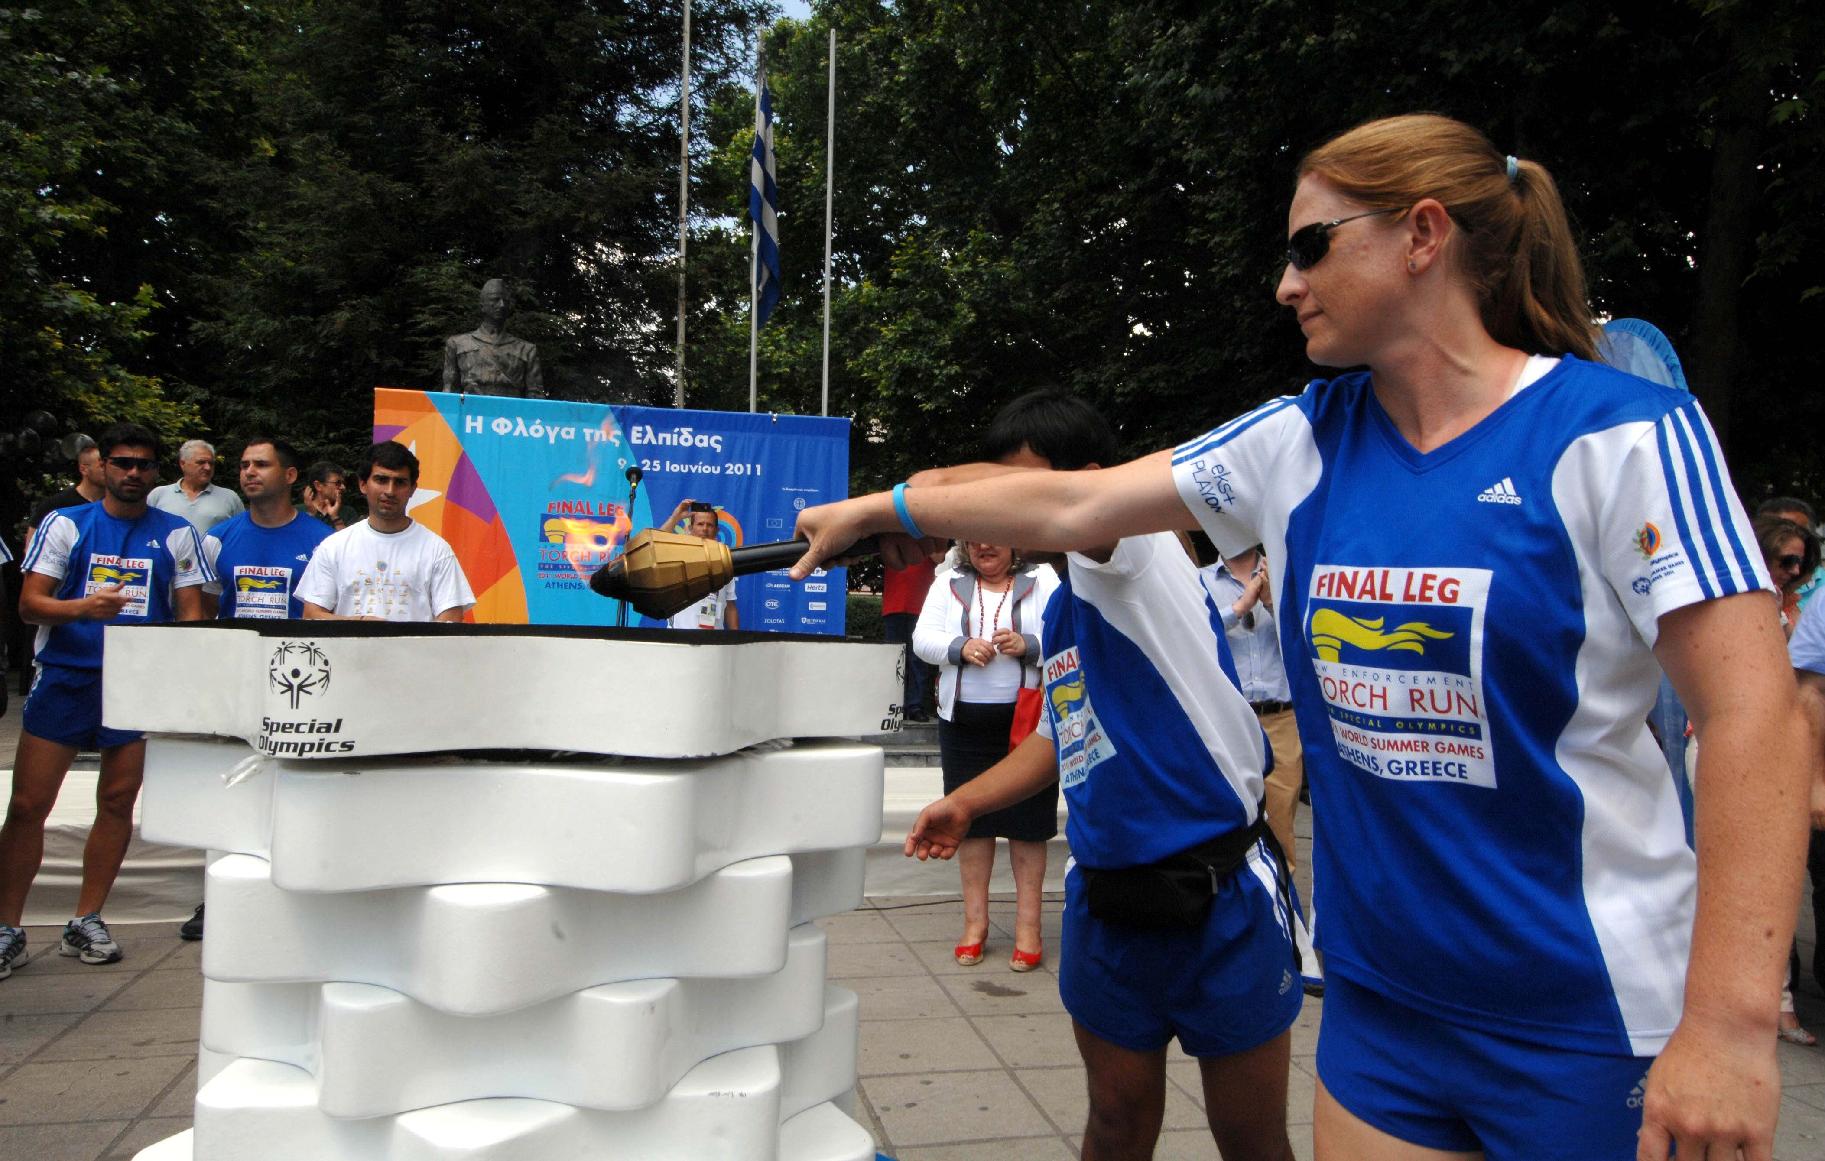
(763, 206)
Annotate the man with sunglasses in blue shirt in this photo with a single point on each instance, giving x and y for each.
(116, 561)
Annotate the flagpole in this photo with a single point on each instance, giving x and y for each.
(684, 195)
(760, 70)
(754, 317)
(829, 178)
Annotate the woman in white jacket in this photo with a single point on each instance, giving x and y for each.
(980, 625)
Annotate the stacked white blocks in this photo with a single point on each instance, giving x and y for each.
(430, 958)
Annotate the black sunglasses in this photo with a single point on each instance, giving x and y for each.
(1790, 561)
(1308, 245)
(133, 463)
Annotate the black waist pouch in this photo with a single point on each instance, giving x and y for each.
(1174, 892)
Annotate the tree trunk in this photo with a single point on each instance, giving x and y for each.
(1727, 237)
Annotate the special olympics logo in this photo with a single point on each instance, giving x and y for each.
(299, 669)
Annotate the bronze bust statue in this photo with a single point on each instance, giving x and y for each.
(488, 360)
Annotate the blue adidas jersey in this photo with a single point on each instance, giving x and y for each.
(85, 549)
(1468, 640)
(259, 567)
(1157, 749)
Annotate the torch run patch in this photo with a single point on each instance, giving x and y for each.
(1081, 741)
(1399, 658)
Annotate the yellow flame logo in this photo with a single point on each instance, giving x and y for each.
(104, 574)
(1332, 630)
(1067, 695)
(251, 583)
(571, 530)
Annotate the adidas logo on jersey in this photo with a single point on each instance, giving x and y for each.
(1500, 492)
(304, 558)
(1640, 1093)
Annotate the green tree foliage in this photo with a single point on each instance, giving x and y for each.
(1094, 195)
(80, 143)
(419, 148)
(229, 215)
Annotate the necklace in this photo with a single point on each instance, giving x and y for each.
(980, 611)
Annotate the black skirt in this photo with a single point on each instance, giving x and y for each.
(975, 738)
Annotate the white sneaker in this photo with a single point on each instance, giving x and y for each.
(12, 948)
(88, 939)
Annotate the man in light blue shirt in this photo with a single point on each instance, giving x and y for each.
(1807, 650)
(194, 496)
(1239, 588)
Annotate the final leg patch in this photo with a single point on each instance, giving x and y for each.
(1081, 741)
(1399, 658)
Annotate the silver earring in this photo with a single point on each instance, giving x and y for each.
(1412, 267)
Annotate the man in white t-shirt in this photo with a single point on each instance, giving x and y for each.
(388, 567)
(717, 610)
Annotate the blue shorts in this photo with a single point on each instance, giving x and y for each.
(1447, 1085)
(1222, 988)
(64, 706)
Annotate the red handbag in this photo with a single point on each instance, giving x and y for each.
(1027, 704)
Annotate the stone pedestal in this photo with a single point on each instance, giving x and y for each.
(483, 893)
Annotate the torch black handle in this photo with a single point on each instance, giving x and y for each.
(783, 553)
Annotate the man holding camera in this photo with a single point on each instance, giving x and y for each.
(718, 610)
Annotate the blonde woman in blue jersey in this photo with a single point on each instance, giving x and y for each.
(1484, 546)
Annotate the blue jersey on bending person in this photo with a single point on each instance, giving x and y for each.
(1468, 638)
(1158, 753)
(1157, 749)
(84, 549)
(259, 567)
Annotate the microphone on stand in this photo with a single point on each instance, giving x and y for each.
(634, 476)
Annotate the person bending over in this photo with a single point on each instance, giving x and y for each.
(1178, 907)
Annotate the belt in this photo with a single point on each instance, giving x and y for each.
(1263, 708)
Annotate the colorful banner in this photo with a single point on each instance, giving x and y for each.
(533, 494)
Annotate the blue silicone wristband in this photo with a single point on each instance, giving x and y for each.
(906, 520)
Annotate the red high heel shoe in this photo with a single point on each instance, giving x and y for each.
(968, 954)
(1025, 961)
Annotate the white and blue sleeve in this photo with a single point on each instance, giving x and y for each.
(194, 566)
(1235, 478)
(1671, 530)
(51, 546)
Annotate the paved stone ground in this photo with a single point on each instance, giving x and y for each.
(957, 1064)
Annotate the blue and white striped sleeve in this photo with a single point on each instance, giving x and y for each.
(51, 546)
(1674, 532)
(193, 566)
(1227, 477)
